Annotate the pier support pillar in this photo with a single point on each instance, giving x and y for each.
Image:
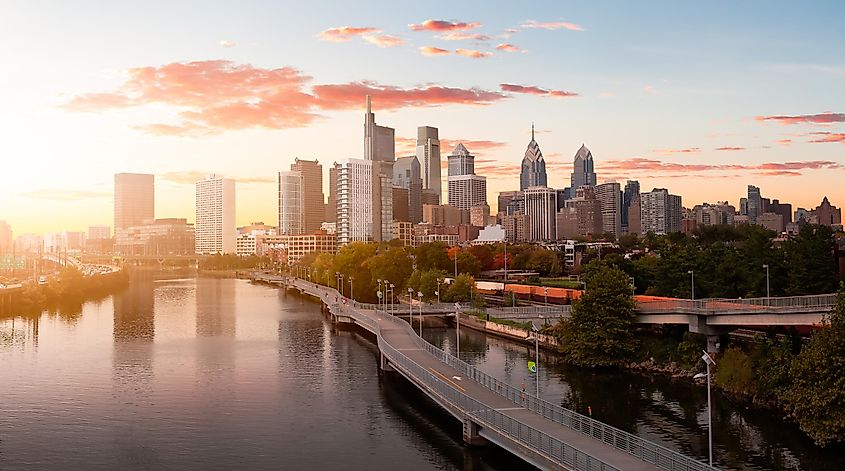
(471, 436)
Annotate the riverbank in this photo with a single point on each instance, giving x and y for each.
(65, 293)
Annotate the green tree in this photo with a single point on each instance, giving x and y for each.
(352, 261)
(809, 255)
(467, 263)
(432, 255)
(600, 331)
(816, 397)
(543, 261)
(392, 264)
(461, 290)
(736, 373)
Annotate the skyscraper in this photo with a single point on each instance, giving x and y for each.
(406, 174)
(660, 212)
(215, 206)
(134, 199)
(610, 196)
(540, 205)
(379, 148)
(291, 202)
(378, 140)
(331, 203)
(533, 169)
(6, 245)
(632, 190)
(428, 153)
(755, 204)
(582, 169)
(313, 209)
(466, 189)
(354, 201)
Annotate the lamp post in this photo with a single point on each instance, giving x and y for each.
(351, 289)
(411, 307)
(766, 266)
(458, 330)
(438, 291)
(391, 297)
(456, 264)
(340, 276)
(692, 283)
(546, 293)
(378, 293)
(536, 357)
(708, 360)
(419, 298)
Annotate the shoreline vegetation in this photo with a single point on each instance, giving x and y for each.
(780, 371)
(65, 293)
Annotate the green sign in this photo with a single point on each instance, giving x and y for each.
(532, 367)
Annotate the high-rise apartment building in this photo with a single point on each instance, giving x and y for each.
(406, 174)
(712, 214)
(400, 204)
(331, 203)
(428, 154)
(533, 168)
(632, 190)
(540, 205)
(6, 245)
(291, 213)
(754, 204)
(479, 215)
(511, 202)
(660, 212)
(380, 149)
(379, 141)
(215, 227)
(313, 207)
(583, 173)
(581, 217)
(466, 189)
(134, 199)
(354, 201)
(610, 197)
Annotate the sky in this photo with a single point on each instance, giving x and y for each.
(702, 98)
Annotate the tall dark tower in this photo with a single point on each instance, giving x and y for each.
(583, 173)
(533, 172)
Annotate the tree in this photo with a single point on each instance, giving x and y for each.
(461, 290)
(432, 256)
(427, 282)
(467, 263)
(352, 261)
(544, 262)
(392, 264)
(600, 331)
(816, 397)
(484, 254)
(809, 255)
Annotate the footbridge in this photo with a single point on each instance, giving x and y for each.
(491, 411)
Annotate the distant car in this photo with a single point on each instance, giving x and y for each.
(42, 280)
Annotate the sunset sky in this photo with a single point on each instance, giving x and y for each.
(702, 98)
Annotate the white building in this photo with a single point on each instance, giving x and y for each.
(290, 203)
(354, 201)
(540, 210)
(610, 197)
(660, 212)
(215, 223)
(466, 189)
(492, 234)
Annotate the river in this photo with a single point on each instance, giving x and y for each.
(208, 373)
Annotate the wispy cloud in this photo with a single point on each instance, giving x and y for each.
(534, 90)
(462, 36)
(654, 167)
(443, 25)
(821, 118)
(227, 43)
(690, 150)
(65, 195)
(473, 53)
(384, 40)
(826, 137)
(434, 51)
(342, 34)
(784, 142)
(508, 48)
(216, 96)
(729, 148)
(551, 25)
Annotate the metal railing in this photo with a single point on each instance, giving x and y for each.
(619, 439)
(716, 306)
(533, 312)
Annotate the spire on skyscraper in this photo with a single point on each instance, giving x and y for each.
(533, 170)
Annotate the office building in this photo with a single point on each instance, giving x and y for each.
(445, 215)
(479, 215)
(610, 197)
(379, 141)
(533, 168)
(784, 209)
(406, 174)
(6, 244)
(540, 204)
(355, 201)
(632, 190)
(99, 232)
(289, 249)
(428, 154)
(331, 200)
(400, 204)
(291, 214)
(707, 214)
(826, 214)
(313, 207)
(754, 204)
(581, 216)
(772, 221)
(466, 189)
(583, 173)
(634, 216)
(516, 226)
(380, 151)
(134, 199)
(660, 212)
(159, 237)
(511, 202)
(215, 216)
(404, 231)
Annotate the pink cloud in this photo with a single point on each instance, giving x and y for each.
(507, 48)
(784, 142)
(216, 96)
(534, 90)
(730, 148)
(343, 34)
(442, 25)
(779, 173)
(822, 118)
(660, 168)
(552, 25)
(462, 36)
(384, 40)
(690, 150)
(823, 137)
(473, 53)
(474, 146)
(434, 51)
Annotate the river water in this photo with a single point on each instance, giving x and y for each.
(207, 373)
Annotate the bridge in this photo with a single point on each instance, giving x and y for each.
(491, 411)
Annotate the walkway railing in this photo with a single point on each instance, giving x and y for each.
(716, 306)
(619, 439)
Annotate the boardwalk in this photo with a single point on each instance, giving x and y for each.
(542, 433)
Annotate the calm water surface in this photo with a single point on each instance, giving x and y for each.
(203, 373)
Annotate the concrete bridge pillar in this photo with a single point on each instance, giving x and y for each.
(471, 436)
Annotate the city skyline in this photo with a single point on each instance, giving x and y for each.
(702, 121)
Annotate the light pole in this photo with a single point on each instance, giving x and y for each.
(419, 298)
(536, 357)
(340, 275)
(378, 293)
(546, 293)
(692, 283)
(438, 291)
(411, 307)
(458, 330)
(351, 289)
(766, 266)
(391, 297)
(708, 360)
(456, 264)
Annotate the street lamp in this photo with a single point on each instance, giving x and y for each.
(438, 291)
(340, 277)
(351, 289)
(419, 298)
(378, 293)
(546, 293)
(411, 307)
(536, 357)
(708, 360)
(391, 297)
(766, 266)
(458, 330)
(692, 283)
